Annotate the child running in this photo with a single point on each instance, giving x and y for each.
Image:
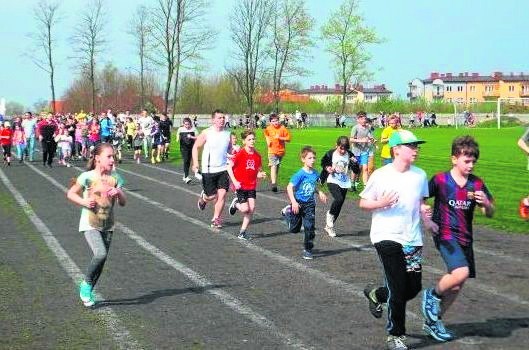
(96, 191)
(302, 207)
(244, 170)
(335, 165)
(395, 194)
(457, 192)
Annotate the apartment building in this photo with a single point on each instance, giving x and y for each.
(355, 93)
(469, 87)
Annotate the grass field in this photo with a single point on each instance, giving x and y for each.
(502, 165)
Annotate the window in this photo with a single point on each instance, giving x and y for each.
(448, 88)
(473, 100)
(449, 100)
(511, 88)
(459, 88)
(472, 88)
(488, 88)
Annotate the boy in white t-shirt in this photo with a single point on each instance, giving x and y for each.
(395, 194)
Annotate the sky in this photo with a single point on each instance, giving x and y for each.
(420, 36)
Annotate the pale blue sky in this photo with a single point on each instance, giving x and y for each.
(421, 36)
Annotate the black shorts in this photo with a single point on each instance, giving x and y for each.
(137, 148)
(211, 182)
(243, 195)
(7, 150)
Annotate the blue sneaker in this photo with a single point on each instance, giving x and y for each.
(307, 255)
(438, 331)
(244, 236)
(85, 293)
(431, 306)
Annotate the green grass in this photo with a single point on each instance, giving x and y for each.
(502, 165)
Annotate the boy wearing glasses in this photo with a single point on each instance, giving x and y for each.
(395, 195)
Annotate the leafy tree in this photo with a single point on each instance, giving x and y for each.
(347, 38)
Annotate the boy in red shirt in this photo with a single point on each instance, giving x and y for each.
(276, 135)
(6, 136)
(244, 170)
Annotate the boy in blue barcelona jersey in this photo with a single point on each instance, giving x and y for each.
(302, 207)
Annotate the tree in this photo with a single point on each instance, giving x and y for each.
(180, 30)
(291, 29)
(14, 108)
(46, 17)
(88, 42)
(141, 31)
(346, 38)
(249, 25)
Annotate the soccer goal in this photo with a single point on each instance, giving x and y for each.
(469, 115)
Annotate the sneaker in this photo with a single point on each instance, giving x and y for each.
(329, 219)
(430, 306)
(330, 231)
(286, 210)
(216, 223)
(374, 306)
(187, 180)
(307, 255)
(233, 206)
(85, 293)
(438, 331)
(244, 236)
(201, 202)
(158, 159)
(274, 188)
(396, 342)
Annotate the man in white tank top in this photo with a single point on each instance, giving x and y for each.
(215, 143)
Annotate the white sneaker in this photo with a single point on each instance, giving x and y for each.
(187, 180)
(330, 231)
(329, 220)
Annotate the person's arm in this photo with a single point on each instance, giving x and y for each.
(286, 135)
(178, 135)
(293, 202)
(231, 164)
(523, 145)
(199, 143)
(486, 204)
(117, 192)
(74, 195)
(387, 199)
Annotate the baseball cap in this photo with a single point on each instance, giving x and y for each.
(402, 137)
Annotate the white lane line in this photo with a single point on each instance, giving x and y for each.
(119, 333)
(226, 298)
(470, 283)
(477, 249)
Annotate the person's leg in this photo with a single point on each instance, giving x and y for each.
(53, 147)
(394, 266)
(31, 149)
(99, 243)
(187, 157)
(308, 215)
(338, 195)
(219, 204)
(45, 152)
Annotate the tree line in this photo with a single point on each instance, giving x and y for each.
(271, 41)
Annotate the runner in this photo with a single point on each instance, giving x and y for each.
(393, 126)
(165, 128)
(6, 139)
(244, 170)
(457, 192)
(395, 194)
(186, 136)
(361, 139)
(302, 207)
(46, 130)
(29, 124)
(215, 144)
(19, 142)
(276, 135)
(96, 191)
(146, 122)
(335, 165)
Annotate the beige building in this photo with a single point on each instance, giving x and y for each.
(358, 93)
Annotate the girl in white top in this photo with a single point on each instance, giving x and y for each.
(64, 142)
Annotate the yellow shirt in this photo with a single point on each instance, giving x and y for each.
(386, 133)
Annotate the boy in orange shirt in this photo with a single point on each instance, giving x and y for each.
(276, 135)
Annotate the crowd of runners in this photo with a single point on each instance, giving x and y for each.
(394, 193)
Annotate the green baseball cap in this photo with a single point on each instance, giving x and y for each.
(403, 137)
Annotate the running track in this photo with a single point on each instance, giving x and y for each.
(171, 282)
